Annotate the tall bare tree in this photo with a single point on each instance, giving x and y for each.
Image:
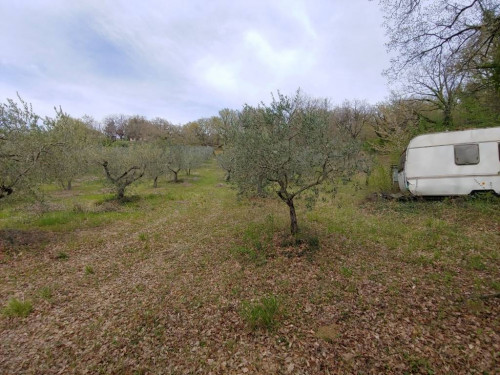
(438, 86)
(426, 31)
(352, 116)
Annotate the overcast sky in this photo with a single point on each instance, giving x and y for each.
(182, 60)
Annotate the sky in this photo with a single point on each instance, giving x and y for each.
(184, 60)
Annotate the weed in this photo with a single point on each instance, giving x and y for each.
(16, 307)
(475, 262)
(418, 365)
(264, 314)
(143, 236)
(46, 293)
(495, 285)
(254, 255)
(79, 208)
(345, 271)
(62, 256)
(257, 242)
(89, 270)
(380, 179)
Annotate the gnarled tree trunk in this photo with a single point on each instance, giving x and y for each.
(294, 226)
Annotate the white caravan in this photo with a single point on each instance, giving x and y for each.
(451, 163)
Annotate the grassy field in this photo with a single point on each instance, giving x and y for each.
(188, 279)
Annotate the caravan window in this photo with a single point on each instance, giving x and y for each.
(467, 154)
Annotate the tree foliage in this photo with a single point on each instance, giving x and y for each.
(24, 142)
(71, 158)
(122, 166)
(289, 147)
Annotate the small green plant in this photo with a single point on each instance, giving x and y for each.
(143, 236)
(62, 256)
(380, 180)
(418, 365)
(46, 293)
(475, 262)
(265, 313)
(257, 242)
(17, 307)
(89, 270)
(345, 271)
(495, 285)
(253, 255)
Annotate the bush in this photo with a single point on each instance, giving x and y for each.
(380, 179)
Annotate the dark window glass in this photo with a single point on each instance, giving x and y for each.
(467, 154)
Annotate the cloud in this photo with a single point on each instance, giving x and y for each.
(184, 60)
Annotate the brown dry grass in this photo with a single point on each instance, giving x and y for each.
(394, 288)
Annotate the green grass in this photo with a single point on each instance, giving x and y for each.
(16, 307)
(195, 255)
(265, 313)
(346, 272)
(62, 256)
(46, 293)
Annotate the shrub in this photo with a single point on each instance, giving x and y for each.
(380, 179)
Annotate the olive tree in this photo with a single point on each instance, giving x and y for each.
(71, 158)
(24, 143)
(225, 160)
(122, 166)
(176, 160)
(195, 156)
(290, 147)
(156, 158)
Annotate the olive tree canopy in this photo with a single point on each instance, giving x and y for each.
(23, 143)
(290, 146)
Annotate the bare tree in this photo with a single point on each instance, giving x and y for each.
(352, 116)
(438, 86)
(426, 31)
(395, 122)
(114, 126)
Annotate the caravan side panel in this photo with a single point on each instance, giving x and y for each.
(432, 171)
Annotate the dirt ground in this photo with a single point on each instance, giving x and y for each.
(162, 292)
